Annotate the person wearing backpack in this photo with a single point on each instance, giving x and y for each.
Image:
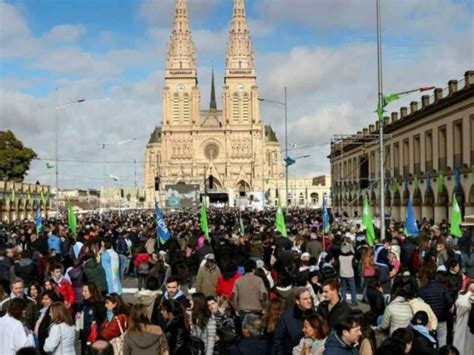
(142, 266)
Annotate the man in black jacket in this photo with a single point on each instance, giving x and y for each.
(333, 307)
(252, 342)
(289, 330)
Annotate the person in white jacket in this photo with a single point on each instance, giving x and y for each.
(463, 338)
(13, 334)
(62, 334)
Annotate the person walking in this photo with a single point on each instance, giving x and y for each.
(333, 306)
(62, 334)
(203, 324)
(207, 276)
(142, 337)
(463, 336)
(13, 335)
(289, 330)
(344, 338)
(346, 271)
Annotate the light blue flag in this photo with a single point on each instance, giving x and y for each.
(38, 218)
(326, 225)
(411, 228)
(161, 229)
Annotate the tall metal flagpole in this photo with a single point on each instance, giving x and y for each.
(381, 122)
(286, 152)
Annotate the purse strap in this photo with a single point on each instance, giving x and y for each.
(120, 325)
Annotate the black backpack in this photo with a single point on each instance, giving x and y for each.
(196, 346)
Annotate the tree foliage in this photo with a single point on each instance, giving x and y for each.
(15, 158)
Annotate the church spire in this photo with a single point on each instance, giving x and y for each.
(213, 104)
(181, 61)
(240, 56)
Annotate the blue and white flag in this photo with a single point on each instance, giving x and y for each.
(411, 228)
(38, 218)
(326, 225)
(161, 230)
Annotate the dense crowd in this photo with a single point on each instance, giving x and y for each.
(245, 289)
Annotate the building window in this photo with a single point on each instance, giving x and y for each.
(314, 198)
(471, 138)
(416, 154)
(186, 109)
(442, 148)
(175, 108)
(457, 143)
(235, 108)
(428, 151)
(301, 199)
(406, 157)
(396, 159)
(245, 108)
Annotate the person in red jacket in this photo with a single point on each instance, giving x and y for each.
(117, 317)
(142, 267)
(64, 287)
(226, 281)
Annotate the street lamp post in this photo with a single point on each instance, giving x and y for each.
(59, 107)
(284, 104)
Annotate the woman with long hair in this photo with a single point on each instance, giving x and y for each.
(142, 337)
(272, 316)
(117, 317)
(62, 334)
(315, 330)
(93, 314)
(203, 325)
(34, 292)
(368, 270)
(48, 297)
(177, 327)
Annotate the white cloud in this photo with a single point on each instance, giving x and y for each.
(65, 33)
(12, 22)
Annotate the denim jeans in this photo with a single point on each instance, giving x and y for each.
(344, 282)
(124, 265)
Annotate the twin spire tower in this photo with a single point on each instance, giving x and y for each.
(182, 95)
(225, 151)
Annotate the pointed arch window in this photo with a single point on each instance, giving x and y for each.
(235, 108)
(245, 108)
(186, 108)
(175, 108)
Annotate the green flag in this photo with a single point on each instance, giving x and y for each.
(280, 221)
(49, 166)
(440, 182)
(456, 219)
(367, 222)
(241, 226)
(71, 219)
(28, 196)
(380, 111)
(12, 195)
(395, 184)
(416, 183)
(390, 98)
(204, 226)
(42, 196)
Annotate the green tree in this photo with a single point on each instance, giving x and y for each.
(15, 158)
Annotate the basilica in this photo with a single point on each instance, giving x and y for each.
(227, 153)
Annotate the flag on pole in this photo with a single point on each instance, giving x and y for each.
(204, 226)
(241, 226)
(28, 196)
(440, 182)
(394, 184)
(416, 183)
(12, 195)
(71, 219)
(326, 225)
(48, 165)
(367, 222)
(411, 228)
(38, 218)
(42, 196)
(162, 231)
(456, 219)
(280, 221)
(389, 98)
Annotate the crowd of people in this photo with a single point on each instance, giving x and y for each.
(244, 289)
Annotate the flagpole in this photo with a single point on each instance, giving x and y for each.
(381, 122)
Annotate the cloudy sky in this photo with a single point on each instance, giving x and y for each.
(112, 53)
